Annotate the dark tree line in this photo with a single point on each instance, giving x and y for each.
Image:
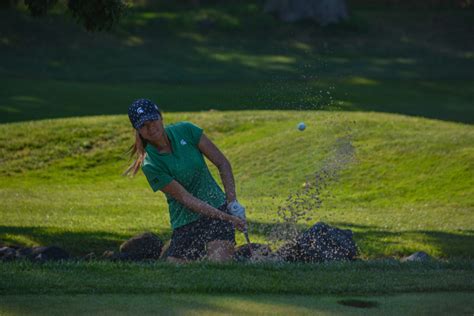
(97, 15)
(94, 15)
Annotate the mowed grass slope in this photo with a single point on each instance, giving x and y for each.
(402, 184)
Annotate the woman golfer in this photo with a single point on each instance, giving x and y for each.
(172, 159)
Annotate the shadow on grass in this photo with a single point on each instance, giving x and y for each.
(450, 101)
(381, 242)
(372, 241)
(77, 243)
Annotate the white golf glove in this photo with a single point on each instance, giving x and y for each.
(236, 209)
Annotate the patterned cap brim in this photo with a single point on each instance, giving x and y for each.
(147, 117)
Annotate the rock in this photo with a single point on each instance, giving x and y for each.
(41, 258)
(115, 256)
(49, 253)
(7, 254)
(144, 246)
(107, 253)
(289, 252)
(274, 257)
(42, 253)
(325, 243)
(260, 252)
(5, 249)
(23, 253)
(419, 256)
(320, 243)
(90, 256)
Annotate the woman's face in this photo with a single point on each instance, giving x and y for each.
(152, 130)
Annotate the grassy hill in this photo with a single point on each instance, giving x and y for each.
(402, 184)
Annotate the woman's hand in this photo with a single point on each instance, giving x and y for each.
(236, 209)
(239, 223)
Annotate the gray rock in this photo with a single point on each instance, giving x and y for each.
(7, 254)
(23, 253)
(42, 253)
(260, 252)
(320, 243)
(41, 257)
(116, 256)
(144, 246)
(419, 256)
(108, 254)
(90, 256)
(289, 252)
(49, 253)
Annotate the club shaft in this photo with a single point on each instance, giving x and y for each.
(246, 234)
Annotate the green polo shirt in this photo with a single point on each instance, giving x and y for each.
(186, 165)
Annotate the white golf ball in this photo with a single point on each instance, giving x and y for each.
(301, 126)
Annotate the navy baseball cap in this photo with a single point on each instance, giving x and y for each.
(143, 110)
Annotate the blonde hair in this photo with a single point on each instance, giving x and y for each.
(137, 151)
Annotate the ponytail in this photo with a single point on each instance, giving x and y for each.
(137, 151)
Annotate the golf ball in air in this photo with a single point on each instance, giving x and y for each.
(301, 126)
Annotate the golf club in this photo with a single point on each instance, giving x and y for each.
(246, 234)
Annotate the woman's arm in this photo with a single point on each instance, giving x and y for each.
(179, 193)
(207, 147)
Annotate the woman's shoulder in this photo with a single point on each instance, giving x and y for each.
(148, 160)
(183, 127)
(180, 125)
(185, 130)
(153, 164)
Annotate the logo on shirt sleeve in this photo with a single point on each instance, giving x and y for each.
(183, 142)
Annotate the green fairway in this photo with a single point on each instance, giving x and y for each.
(198, 304)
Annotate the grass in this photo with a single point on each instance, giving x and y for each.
(450, 100)
(405, 184)
(203, 288)
(416, 63)
(359, 278)
(199, 304)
